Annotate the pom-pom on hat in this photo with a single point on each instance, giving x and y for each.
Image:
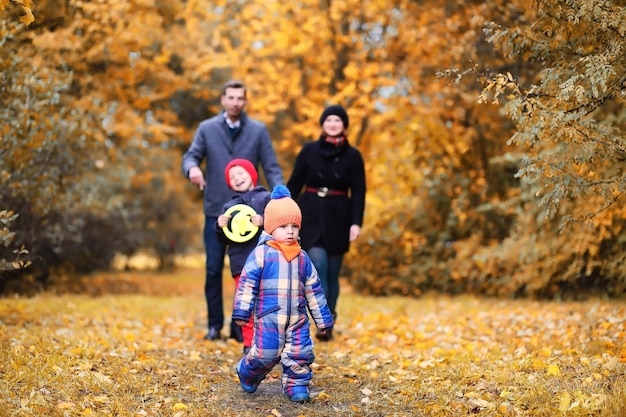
(335, 110)
(245, 164)
(281, 210)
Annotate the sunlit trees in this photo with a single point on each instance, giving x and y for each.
(103, 97)
(79, 155)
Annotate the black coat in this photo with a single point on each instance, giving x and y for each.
(327, 220)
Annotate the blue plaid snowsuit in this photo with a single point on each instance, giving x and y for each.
(279, 293)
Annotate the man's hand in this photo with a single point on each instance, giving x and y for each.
(241, 323)
(196, 177)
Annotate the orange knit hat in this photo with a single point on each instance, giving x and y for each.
(281, 210)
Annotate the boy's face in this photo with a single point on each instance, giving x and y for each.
(239, 179)
(287, 233)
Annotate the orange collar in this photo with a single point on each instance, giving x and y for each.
(289, 251)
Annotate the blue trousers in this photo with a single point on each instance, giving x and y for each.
(215, 252)
(328, 267)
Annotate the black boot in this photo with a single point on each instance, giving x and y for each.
(236, 332)
(213, 334)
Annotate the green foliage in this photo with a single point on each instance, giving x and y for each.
(11, 258)
(570, 126)
(570, 118)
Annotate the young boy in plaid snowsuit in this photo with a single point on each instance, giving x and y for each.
(278, 285)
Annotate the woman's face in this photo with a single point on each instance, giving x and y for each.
(333, 126)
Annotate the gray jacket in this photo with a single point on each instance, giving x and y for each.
(212, 143)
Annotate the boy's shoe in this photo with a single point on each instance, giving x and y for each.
(247, 388)
(299, 394)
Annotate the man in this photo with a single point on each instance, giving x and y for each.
(231, 134)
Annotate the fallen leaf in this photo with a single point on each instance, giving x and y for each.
(179, 406)
(554, 370)
(564, 401)
(612, 363)
(479, 402)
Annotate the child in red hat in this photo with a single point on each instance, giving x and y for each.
(240, 225)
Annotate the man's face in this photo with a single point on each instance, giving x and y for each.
(233, 101)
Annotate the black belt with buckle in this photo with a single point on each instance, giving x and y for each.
(324, 191)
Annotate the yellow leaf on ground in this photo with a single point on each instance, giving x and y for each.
(179, 406)
(554, 370)
(64, 405)
(564, 401)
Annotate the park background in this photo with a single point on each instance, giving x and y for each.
(492, 131)
(493, 136)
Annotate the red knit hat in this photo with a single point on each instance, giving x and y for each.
(245, 164)
(281, 210)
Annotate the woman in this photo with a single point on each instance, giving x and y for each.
(328, 181)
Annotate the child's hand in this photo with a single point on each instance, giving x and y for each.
(257, 220)
(222, 220)
(323, 331)
(241, 323)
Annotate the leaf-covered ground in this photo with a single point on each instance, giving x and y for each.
(133, 346)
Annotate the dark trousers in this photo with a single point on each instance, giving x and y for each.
(215, 252)
(328, 268)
